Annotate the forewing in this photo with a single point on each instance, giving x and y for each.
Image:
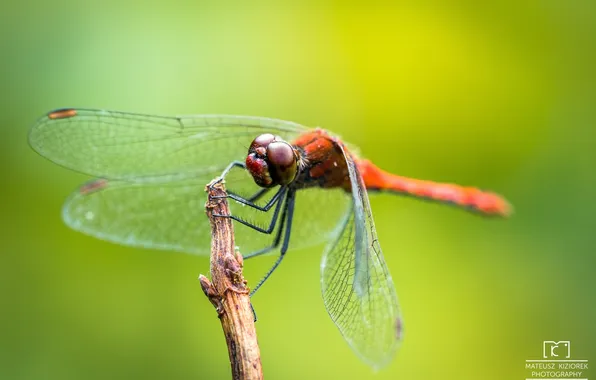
(171, 215)
(136, 147)
(357, 288)
(159, 215)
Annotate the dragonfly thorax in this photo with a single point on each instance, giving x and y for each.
(272, 161)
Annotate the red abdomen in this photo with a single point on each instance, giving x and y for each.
(470, 197)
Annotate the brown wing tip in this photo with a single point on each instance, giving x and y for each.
(93, 186)
(399, 328)
(63, 113)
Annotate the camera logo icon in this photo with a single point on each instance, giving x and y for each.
(556, 350)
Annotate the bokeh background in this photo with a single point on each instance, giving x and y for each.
(496, 94)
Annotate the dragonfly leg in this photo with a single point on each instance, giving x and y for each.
(277, 198)
(290, 207)
(233, 164)
(259, 194)
(253, 198)
(266, 249)
(276, 241)
(250, 203)
(254, 313)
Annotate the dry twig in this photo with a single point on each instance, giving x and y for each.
(228, 291)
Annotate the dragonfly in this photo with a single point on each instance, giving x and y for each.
(296, 186)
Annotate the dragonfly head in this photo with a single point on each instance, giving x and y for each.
(271, 161)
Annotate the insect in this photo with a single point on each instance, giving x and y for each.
(151, 170)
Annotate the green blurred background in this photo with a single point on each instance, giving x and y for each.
(500, 95)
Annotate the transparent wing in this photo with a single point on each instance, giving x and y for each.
(171, 215)
(135, 147)
(159, 215)
(357, 288)
(155, 170)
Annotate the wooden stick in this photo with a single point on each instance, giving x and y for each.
(228, 291)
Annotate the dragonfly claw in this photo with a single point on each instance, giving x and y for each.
(215, 182)
(254, 313)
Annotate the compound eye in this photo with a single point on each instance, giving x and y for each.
(262, 141)
(282, 161)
